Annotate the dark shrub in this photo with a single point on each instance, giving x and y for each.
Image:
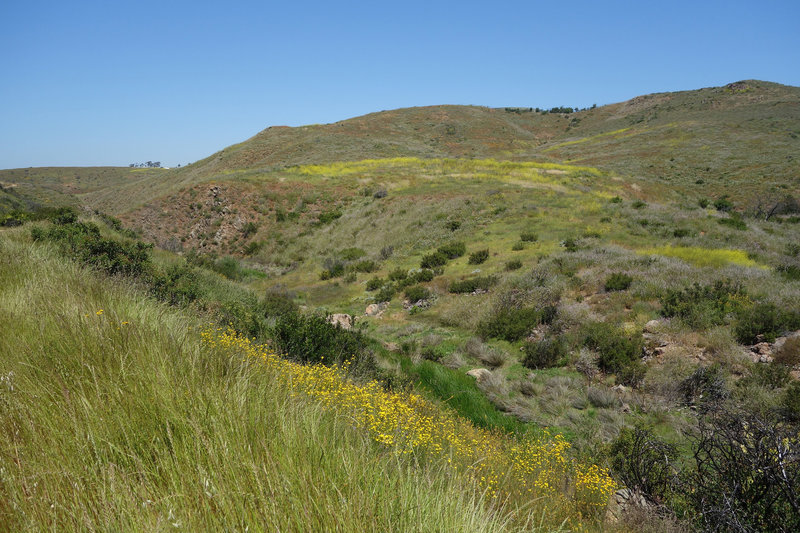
(64, 215)
(513, 324)
(514, 264)
(790, 402)
(313, 339)
(453, 225)
(644, 463)
(616, 349)
(723, 204)
(703, 202)
(546, 353)
(278, 301)
(472, 284)
(229, 267)
(705, 386)
(436, 259)
(681, 233)
(417, 293)
(518, 246)
(702, 306)
(249, 229)
(178, 286)
(618, 282)
(616, 200)
(375, 283)
(398, 274)
(423, 276)
(639, 204)
(528, 236)
(733, 222)
(453, 250)
(570, 244)
(366, 266)
(327, 217)
(764, 320)
(476, 258)
(380, 193)
(351, 254)
(385, 294)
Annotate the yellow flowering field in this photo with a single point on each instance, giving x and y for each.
(510, 471)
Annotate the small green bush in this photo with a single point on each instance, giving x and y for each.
(616, 350)
(764, 320)
(733, 222)
(703, 202)
(249, 229)
(453, 225)
(479, 257)
(417, 293)
(702, 306)
(518, 246)
(723, 204)
(528, 236)
(385, 294)
(375, 283)
(436, 259)
(618, 282)
(616, 200)
(423, 276)
(453, 250)
(328, 217)
(514, 324)
(681, 233)
(546, 353)
(365, 266)
(398, 274)
(472, 284)
(639, 204)
(351, 254)
(514, 264)
(790, 402)
(570, 244)
(179, 285)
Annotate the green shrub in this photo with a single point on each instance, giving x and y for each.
(423, 276)
(723, 204)
(618, 282)
(365, 266)
(277, 302)
(249, 229)
(476, 258)
(528, 236)
(351, 254)
(764, 320)
(436, 259)
(702, 306)
(472, 284)
(681, 233)
(789, 271)
(518, 246)
(639, 204)
(644, 463)
(514, 264)
(417, 293)
(733, 222)
(707, 385)
(703, 202)
(790, 402)
(229, 267)
(545, 353)
(398, 274)
(616, 200)
(453, 225)
(570, 244)
(514, 324)
(313, 339)
(453, 250)
(179, 285)
(328, 217)
(385, 294)
(375, 283)
(616, 350)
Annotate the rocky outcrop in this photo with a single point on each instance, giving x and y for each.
(480, 374)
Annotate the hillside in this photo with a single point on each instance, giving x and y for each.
(622, 276)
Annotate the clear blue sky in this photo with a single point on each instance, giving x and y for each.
(117, 82)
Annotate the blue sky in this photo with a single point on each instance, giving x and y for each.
(112, 83)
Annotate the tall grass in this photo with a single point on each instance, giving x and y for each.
(115, 417)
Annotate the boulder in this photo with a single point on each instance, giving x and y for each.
(480, 374)
(342, 320)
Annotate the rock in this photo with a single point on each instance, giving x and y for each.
(342, 320)
(375, 309)
(622, 500)
(652, 326)
(620, 388)
(480, 374)
(626, 408)
(761, 352)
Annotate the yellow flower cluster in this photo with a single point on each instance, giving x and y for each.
(505, 467)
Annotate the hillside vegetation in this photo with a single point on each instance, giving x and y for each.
(620, 282)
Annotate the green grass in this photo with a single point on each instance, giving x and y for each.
(703, 257)
(121, 420)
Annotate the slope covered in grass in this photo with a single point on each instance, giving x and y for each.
(116, 417)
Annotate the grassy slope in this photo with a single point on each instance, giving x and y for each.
(121, 420)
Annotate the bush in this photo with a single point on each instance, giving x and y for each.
(436, 259)
(639, 204)
(681, 233)
(703, 306)
(380, 193)
(514, 324)
(249, 229)
(417, 293)
(723, 204)
(616, 350)
(618, 282)
(602, 397)
(385, 294)
(313, 339)
(644, 463)
(453, 225)
(788, 354)
(178, 286)
(518, 246)
(545, 353)
(328, 217)
(398, 274)
(616, 200)
(365, 266)
(514, 264)
(479, 257)
(706, 384)
(277, 302)
(229, 267)
(423, 276)
(453, 249)
(703, 202)
(733, 222)
(570, 244)
(375, 283)
(790, 402)
(528, 236)
(765, 321)
(472, 285)
(351, 254)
